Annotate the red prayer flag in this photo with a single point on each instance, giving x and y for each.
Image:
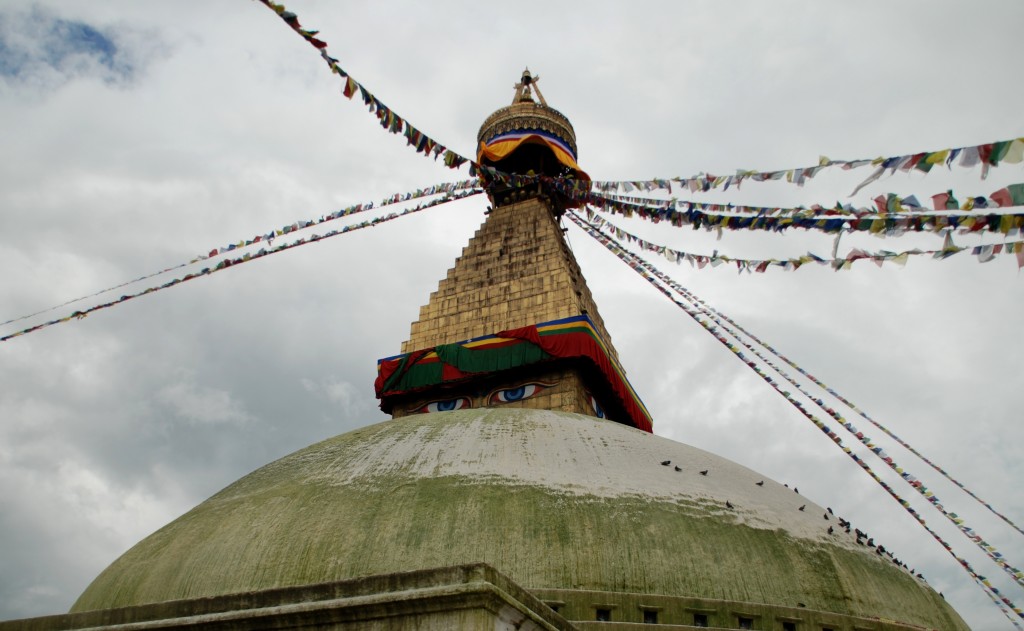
(939, 201)
(985, 153)
(350, 87)
(1002, 197)
(914, 160)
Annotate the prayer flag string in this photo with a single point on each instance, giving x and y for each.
(600, 223)
(864, 415)
(388, 119)
(890, 224)
(226, 263)
(884, 205)
(985, 253)
(436, 189)
(641, 267)
(987, 155)
(913, 481)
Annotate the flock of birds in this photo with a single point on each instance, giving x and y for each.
(862, 537)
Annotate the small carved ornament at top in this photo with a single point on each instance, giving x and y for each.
(525, 88)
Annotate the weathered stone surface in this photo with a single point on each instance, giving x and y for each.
(556, 501)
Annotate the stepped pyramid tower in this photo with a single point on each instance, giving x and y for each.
(514, 321)
(518, 486)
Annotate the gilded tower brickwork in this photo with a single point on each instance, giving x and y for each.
(517, 270)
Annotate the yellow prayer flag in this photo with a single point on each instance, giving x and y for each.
(938, 157)
(1015, 152)
(1005, 223)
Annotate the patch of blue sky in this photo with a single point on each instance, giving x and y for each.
(38, 41)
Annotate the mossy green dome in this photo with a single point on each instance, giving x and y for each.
(553, 500)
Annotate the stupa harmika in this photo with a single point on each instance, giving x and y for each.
(517, 487)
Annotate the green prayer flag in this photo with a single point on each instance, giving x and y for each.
(1016, 194)
(999, 150)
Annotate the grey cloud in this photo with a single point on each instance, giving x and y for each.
(113, 425)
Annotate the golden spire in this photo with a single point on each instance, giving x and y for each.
(513, 323)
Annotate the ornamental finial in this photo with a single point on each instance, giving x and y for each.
(524, 89)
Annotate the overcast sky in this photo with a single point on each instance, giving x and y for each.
(139, 135)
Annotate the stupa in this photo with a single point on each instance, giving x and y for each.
(518, 485)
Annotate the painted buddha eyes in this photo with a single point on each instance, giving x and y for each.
(447, 405)
(502, 395)
(509, 395)
(598, 410)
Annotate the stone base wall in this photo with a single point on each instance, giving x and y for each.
(459, 597)
(626, 612)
